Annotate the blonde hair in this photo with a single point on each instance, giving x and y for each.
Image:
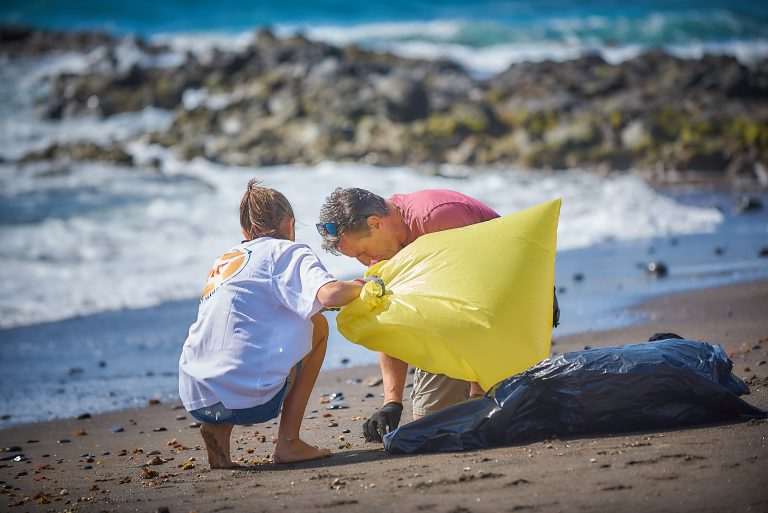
(262, 210)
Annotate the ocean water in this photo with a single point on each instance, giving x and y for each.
(484, 35)
(101, 265)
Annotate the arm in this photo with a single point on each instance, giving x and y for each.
(338, 293)
(393, 372)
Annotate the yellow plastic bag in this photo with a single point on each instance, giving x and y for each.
(473, 303)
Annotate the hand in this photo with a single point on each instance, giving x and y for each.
(382, 422)
(375, 279)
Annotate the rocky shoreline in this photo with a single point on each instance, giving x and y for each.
(292, 100)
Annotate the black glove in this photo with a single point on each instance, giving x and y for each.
(382, 422)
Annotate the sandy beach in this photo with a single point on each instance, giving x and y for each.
(99, 463)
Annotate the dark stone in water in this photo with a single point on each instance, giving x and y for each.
(344, 361)
(719, 250)
(84, 416)
(763, 252)
(578, 277)
(102, 364)
(657, 269)
(747, 204)
(5, 417)
(75, 370)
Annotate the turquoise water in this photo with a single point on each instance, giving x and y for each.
(473, 24)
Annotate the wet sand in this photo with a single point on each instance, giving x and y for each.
(82, 465)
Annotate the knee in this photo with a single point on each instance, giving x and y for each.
(320, 331)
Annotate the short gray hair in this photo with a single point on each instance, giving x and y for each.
(349, 209)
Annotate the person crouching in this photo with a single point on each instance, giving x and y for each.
(256, 348)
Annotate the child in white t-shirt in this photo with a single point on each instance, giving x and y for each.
(259, 339)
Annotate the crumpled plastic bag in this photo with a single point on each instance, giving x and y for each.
(655, 385)
(473, 303)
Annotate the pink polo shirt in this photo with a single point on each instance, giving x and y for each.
(437, 210)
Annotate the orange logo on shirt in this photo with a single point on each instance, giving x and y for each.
(227, 266)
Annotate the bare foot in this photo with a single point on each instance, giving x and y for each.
(293, 450)
(216, 438)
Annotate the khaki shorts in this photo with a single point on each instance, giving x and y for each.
(433, 392)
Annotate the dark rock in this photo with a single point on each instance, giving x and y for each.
(747, 204)
(162, 509)
(181, 417)
(763, 252)
(159, 429)
(719, 250)
(578, 277)
(63, 441)
(75, 370)
(194, 425)
(116, 429)
(84, 416)
(14, 448)
(657, 269)
(344, 361)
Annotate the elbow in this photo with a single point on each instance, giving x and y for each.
(328, 295)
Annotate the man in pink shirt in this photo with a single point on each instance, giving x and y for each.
(359, 224)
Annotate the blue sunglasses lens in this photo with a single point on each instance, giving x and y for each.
(326, 228)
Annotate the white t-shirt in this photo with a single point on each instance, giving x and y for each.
(253, 324)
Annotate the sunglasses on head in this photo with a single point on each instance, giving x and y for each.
(326, 229)
(330, 228)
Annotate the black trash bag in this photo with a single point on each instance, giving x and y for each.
(656, 385)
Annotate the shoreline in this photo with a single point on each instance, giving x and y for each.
(704, 468)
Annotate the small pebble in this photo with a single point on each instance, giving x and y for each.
(181, 417)
(83, 416)
(368, 395)
(117, 429)
(344, 361)
(657, 269)
(346, 431)
(578, 277)
(14, 448)
(63, 441)
(159, 429)
(153, 401)
(195, 425)
(33, 441)
(162, 509)
(87, 467)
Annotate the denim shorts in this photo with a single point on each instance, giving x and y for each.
(219, 414)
